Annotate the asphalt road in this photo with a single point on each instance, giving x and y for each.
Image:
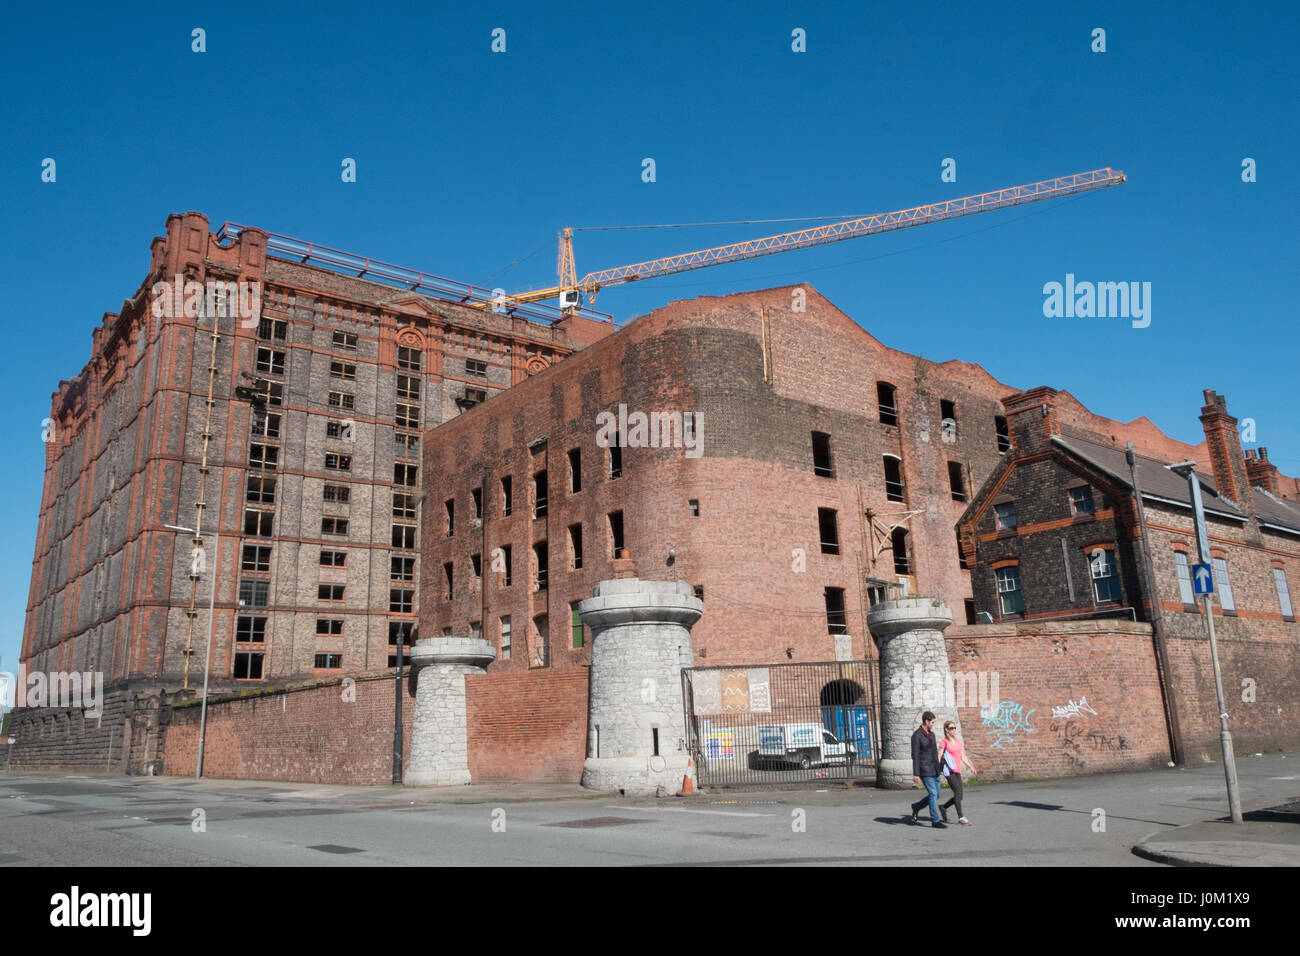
(77, 820)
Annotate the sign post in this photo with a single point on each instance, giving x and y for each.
(1203, 585)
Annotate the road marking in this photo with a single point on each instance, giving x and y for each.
(716, 813)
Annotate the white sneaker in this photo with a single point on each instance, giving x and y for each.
(964, 822)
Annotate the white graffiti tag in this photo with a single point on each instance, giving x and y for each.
(1071, 709)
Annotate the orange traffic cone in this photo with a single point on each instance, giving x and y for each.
(688, 787)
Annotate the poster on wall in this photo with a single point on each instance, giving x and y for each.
(720, 745)
(760, 691)
(735, 692)
(707, 688)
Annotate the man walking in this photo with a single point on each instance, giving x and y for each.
(925, 769)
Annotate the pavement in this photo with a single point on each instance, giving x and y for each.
(1148, 818)
(1269, 837)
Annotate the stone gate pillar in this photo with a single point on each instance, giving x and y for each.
(439, 729)
(914, 678)
(640, 641)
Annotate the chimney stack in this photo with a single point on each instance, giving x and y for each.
(1227, 463)
(1261, 472)
(1031, 419)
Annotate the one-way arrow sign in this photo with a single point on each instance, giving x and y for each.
(1202, 579)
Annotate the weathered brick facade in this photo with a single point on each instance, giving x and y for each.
(332, 358)
(1106, 668)
(827, 461)
(527, 725)
(764, 379)
(522, 726)
(1052, 554)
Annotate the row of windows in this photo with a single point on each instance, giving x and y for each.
(255, 593)
(1223, 585)
(1102, 570)
(829, 535)
(503, 558)
(257, 557)
(541, 634)
(1081, 505)
(540, 489)
(824, 466)
(887, 408)
(1106, 590)
(278, 329)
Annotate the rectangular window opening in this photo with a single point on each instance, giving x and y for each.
(822, 463)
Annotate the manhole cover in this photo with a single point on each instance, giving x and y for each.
(335, 848)
(596, 822)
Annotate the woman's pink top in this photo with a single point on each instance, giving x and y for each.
(954, 747)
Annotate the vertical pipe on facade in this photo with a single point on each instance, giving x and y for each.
(1157, 624)
(546, 529)
(485, 559)
(863, 599)
(200, 505)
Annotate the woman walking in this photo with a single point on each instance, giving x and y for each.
(952, 754)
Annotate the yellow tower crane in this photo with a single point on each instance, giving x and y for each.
(569, 290)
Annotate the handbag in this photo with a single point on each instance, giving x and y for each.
(949, 763)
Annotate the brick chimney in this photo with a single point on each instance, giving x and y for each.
(1227, 463)
(1261, 472)
(1031, 419)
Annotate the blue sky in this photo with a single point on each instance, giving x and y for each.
(468, 161)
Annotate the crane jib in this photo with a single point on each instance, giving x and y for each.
(855, 228)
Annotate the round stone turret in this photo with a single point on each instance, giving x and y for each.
(439, 732)
(640, 641)
(914, 678)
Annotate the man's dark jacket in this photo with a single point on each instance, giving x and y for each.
(925, 754)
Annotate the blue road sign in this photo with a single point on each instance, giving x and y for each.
(1202, 579)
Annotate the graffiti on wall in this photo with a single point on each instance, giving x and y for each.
(1079, 742)
(1006, 720)
(1071, 709)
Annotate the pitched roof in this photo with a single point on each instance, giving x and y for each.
(1158, 482)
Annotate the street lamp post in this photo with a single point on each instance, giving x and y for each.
(1187, 470)
(207, 660)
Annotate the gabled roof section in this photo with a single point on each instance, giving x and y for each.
(1158, 482)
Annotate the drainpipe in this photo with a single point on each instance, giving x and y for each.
(1172, 725)
(485, 559)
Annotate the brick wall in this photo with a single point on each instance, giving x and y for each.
(63, 738)
(1272, 669)
(528, 725)
(310, 734)
(764, 378)
(1042, 666)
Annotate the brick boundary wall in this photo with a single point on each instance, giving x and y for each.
(1266, 723)
(305, 733)
(525, 726)
(528, 725)
(64, 739)
(1042, 665)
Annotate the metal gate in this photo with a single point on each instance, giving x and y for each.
(773, 724)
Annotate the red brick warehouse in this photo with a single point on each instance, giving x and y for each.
(807, 423)
(310, 470)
